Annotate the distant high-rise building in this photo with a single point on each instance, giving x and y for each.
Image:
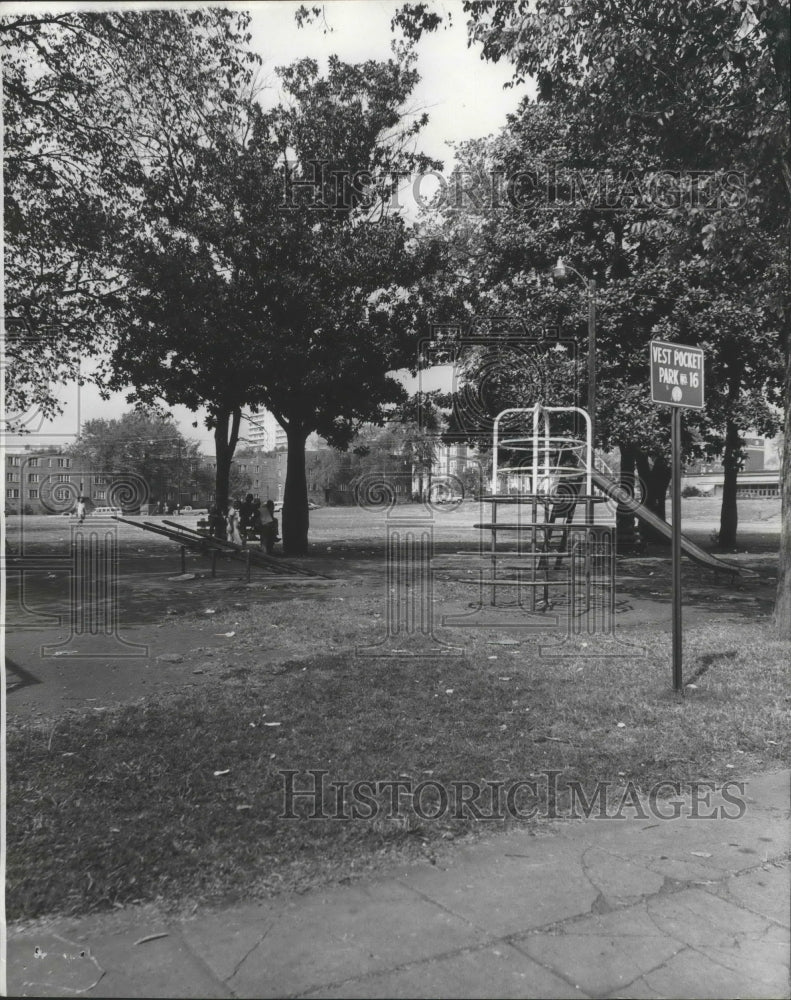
(261, 430)
(281, 438)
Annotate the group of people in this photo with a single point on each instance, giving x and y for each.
(243, 519)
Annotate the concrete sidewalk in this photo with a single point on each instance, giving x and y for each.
(597, 908)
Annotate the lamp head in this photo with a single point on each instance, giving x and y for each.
(559, 272)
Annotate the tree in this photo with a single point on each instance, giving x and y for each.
(687, 83)
(254, 299)
(92, 102)
(146, 445)
(657, 275)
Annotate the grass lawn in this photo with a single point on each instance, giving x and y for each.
(178, 800)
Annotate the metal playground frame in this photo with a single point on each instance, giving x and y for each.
(542, 479)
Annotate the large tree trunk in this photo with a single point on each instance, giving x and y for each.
(729, 514)
(782, 615)
(655, 477)
(226, 435)
(295, 499)
(624, 517)
(776, 23)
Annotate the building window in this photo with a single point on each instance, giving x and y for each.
(61, 494)
(10, 477)
(64, 463)
(98, 480)
(32, 462)
(13, 459)
(100, 495)
(33, 477)
(63, 479)
(33, 494)
(12, 494)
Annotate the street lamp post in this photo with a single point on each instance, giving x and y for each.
(560, 276)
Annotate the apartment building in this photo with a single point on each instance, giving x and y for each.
(40, 482)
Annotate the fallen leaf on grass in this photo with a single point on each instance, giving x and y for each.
(219, 774)
(700, 854)
(273, 723)
(210, 611)
(622, 725)
(227, 635)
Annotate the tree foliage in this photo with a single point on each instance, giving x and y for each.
(146, 444)
(244, 296)
(681, 85)
(92, 103)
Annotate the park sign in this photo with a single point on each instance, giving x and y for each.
(676, 374)
(677, 380)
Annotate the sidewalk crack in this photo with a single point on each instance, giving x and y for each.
(657, 968)
(250, 951)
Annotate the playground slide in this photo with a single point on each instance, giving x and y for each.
(612, 489)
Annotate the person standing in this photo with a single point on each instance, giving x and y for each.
(246, 509)
(268, 526)
(233, 523)
(79, 509)
(256, 524)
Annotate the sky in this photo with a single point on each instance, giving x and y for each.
(464, 97)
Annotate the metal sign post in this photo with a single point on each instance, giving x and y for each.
(677, 380)
(678, 682)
